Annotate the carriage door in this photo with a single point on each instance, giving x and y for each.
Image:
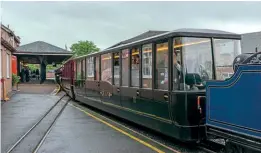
(92, 79)
(130, 78)
(78, 80)
(116, 94)
(161, 83)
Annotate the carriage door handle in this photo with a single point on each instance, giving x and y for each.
(166, 97)
(118, 89)
(137, 93)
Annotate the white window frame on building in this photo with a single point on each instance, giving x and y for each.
(8, 65)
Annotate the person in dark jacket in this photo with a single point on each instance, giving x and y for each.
(22, 75)
(27, 75)
(37, 73)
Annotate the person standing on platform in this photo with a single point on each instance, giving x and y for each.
(37, 73)
(27, 75)
(22, 74)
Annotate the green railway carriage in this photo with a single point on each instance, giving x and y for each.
(157, 82)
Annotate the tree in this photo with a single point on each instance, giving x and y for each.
(32, 66)
(84, 48)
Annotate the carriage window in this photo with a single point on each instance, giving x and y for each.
(83, 69)
(97, 67)
(125, 67)
(116, 68)
(197, 62)
(78, 75)
(177, 77)
(162, 66)
(75, 65)
(106, 67)
(135, 64)
(147, 66)
(226, 51)
(90, 68)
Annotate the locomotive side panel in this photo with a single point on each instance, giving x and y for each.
(234, 106)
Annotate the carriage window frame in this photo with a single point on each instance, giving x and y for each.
(83, 69)
(148, 65)
(78, 69)
(75, 72)
(138, 67)
(90, 68)
(78, 79)
(154, 60)
(216, 61)
(109, 69)
(113, 67)
(183, 62)
(97, 68)
(122, 74)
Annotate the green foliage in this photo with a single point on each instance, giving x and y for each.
(50, 67)
(37, 66)
(15, 79)
(33, 66)
(84, 48)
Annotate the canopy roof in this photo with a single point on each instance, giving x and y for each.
(31, 53)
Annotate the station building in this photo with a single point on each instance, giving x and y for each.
(9, 43)
(251, 42)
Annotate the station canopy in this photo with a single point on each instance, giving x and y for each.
(38, 51)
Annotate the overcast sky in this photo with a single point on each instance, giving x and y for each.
(106, 23)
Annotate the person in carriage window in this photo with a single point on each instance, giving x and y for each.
(135, 70)
(177, 71)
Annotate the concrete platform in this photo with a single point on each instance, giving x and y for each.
(79, 133)
(36, 88)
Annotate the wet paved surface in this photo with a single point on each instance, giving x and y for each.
(74, 131)
(23, 110)
(78, 133)
(20, 113)
(34, 137)
(36, 88)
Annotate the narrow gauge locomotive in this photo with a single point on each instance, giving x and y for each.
(160, 82)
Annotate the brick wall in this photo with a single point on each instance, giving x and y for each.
(6, 58)
(6, 73)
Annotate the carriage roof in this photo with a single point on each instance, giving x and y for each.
(186, 32)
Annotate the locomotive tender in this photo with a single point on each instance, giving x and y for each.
(180, 83)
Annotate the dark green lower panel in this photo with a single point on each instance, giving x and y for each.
(165, 127)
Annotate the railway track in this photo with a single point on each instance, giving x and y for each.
(31, 140)
(211, 147)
